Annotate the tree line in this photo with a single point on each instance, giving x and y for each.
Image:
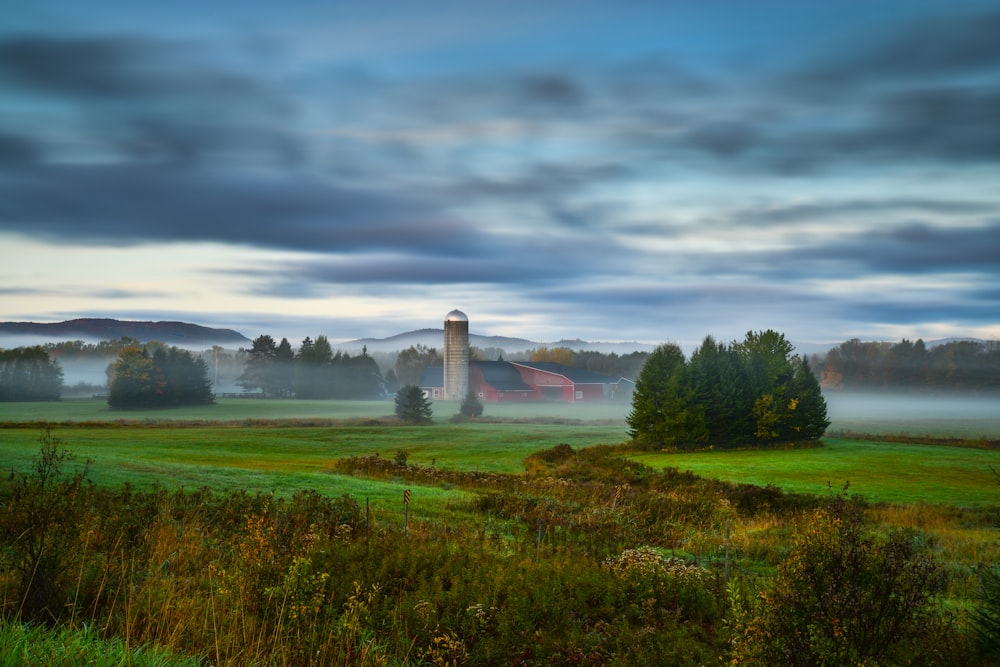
(314, 372)
(752, 392)
(963, 364)
(161, 378)
(29, 374)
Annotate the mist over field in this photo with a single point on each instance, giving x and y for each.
(892, 406)
(943, 414)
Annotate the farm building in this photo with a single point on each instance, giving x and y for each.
(523, 381)
(505, 381)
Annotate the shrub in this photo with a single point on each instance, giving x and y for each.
(40, 526)
(846, 595)
(471, 407)
(987, 616)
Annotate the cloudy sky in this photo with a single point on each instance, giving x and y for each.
(605, 170)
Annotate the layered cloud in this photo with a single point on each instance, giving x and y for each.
(647, 180)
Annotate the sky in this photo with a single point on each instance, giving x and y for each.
(610, 171)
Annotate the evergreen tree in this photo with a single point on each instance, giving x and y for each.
(721, 389)
(749, 392)
(190, 378)
(807, 417)
(662, 412)
(284, 369)
(364, 381)
(258, 373)
(412, 406)
(305, 374)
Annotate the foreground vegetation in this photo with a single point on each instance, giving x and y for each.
(514, 549)
(585, 558)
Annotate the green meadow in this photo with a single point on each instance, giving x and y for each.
(273, 532)
(281, 446)
(879, 471)
(243, 409)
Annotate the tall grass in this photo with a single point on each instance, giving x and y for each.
(34, 646)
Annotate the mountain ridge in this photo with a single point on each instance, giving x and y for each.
(184, 334)
(93, 329)
(434, 338)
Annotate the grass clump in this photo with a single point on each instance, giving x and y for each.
(31, 645)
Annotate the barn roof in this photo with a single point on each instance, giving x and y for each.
(574, 375)
(502, 376)
(433, 376)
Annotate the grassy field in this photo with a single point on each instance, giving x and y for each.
(237, 409)
(890, 472)
(282, 459)
(258, 445)
(228, 578)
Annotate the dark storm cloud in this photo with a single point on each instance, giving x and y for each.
(922, 249)
(723, 140)
(668, 296)
(945, 124)
(133, 204)
(514, 263)
(541, 183)
(915, 249)
(18, 150)
(552, 90)
(941, 46)
(407, 269)
(147, 99)
(116, 67)
(926, 91)
(898, 312)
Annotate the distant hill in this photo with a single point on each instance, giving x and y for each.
(181, 334)
(435, 338)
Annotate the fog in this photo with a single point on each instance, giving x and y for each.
(959, 414)
(878, 405)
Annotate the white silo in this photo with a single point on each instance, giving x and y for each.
(456, 356)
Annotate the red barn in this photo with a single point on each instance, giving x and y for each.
(557, 382)
(520, 381)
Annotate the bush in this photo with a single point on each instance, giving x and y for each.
(987, 616)
(412, 406)
(845, 596)
(471, 407)
(41, 523)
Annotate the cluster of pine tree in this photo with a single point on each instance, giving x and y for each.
(28, 374)
(314, 372)
(167, 377)
(747, 393)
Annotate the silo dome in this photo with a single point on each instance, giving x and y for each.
(456, 316)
